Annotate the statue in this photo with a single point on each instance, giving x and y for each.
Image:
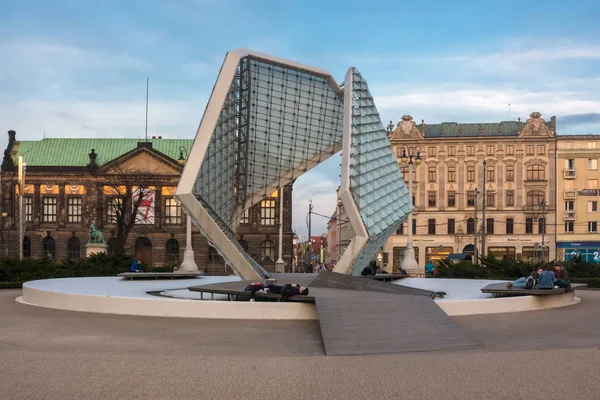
(95, 235)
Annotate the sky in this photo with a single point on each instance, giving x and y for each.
(79, 69)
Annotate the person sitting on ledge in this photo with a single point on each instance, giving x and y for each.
(547, 279)
(526, 283)
(562, 277)
(136, 266)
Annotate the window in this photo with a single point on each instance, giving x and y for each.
(405, 174)
(510, 198)
(541, 150)
(530, 150)
(569, 184)
(592, 184)
(529, 225)
(400, 230)
(471, 199)
(451, 226)
(510, 150)
(113, 246)
(471, 173)
(28, 207)
(591, 145)
(414, 226)
(592, 206)
(593, 227)
(74, 209)
(490, 200)
(510, 226)
(172, 253)
(451, 174)
(267, 251)
(490, 150)
(489, 229)
(570, 205)
(431, 226)
(470, 150)
(491, 176)
(432, 173)
(267, 212)
(451, 199)
(414, 200)
(452, 151)
(113, 210)
(592, 164)
(541, 225)
(49, 209)
(431, 152)
(569, 226)
(535, 198)
(536, 173)
(570, 164)
(245, 217)
(510, 173)
(432, 199)
(470, 226)
(172, 212)
(26, 247)
(49, 248)
(74, 248)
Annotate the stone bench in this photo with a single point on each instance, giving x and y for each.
(159, 275)
(236, 294)
(501, 290)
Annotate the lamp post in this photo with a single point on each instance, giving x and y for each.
(188, 264)
(543, 227)
(4, 215)
(410, 263)
(280, 264)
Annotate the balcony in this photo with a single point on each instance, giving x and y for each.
(569, 215)
(570, 174)
(570, 194)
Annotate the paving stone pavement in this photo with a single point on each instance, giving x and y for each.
(51, 354)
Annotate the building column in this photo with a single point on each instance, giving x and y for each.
(280, 264)
(188, 264)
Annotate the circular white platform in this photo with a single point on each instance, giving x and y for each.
(464, 297)
(113, 295)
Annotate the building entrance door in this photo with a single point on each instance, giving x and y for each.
(143, 251)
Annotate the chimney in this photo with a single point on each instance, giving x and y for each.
(147, 145)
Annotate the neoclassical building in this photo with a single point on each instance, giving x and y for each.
(519, 181)
(65, 189)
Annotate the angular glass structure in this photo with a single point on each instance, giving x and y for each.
(267, 122)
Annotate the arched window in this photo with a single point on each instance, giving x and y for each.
(26, 247)
(112, 246)
(172, 255)
(536, 173)
(535, 197)
(470, 226)
(74, 246)
(267, 251)
(49, 247)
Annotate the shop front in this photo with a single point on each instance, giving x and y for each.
(503, 252)
(589, 251)
(437, 253)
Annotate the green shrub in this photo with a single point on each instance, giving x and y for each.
(12, 270)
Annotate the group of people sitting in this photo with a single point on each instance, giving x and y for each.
(286, 291)
(553, 277)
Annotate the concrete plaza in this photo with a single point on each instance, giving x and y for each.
(51, 354)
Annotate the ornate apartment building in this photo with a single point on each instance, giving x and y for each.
(578, 197)
(518, 186)
(66, 189)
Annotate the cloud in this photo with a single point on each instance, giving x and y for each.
(578, 119)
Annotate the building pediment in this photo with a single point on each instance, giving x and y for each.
(144, 160)
(406, 129)
(536, 126)
(536, 161)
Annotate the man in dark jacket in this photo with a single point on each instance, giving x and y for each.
(289, 290)
(562, 277)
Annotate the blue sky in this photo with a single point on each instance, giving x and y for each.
(78, 69)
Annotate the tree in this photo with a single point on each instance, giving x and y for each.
(130, 201)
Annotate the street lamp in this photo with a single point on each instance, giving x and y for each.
(188, 264)
(4, 215)
(181, 159)
(410, 262)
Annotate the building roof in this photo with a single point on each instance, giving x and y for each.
(451, 129)
(75, 152)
